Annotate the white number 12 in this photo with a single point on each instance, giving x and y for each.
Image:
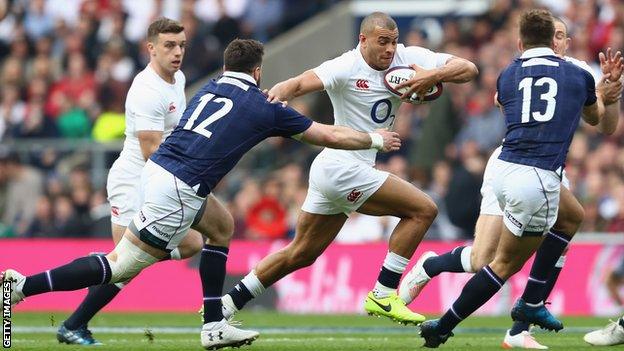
(203, 101)
(525, 85)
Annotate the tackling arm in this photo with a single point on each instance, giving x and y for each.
(339, 137)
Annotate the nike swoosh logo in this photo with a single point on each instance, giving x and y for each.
(386, 308)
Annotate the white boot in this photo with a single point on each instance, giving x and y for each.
(216, 335)
(612, 334)
(17, 285)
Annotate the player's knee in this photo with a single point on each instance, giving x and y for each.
(299, 257)
(130, 260)
(426, 212)
(570, 221)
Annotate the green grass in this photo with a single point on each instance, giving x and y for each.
(285, 332)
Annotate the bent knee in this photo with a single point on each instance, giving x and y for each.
(301, 257)
(570, 221)
(425, 212)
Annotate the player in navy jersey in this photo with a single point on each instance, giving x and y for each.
(552, 253)
(542, 97)
(222, 122)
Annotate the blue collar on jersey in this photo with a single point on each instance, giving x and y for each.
(241, 76)
(537, 52)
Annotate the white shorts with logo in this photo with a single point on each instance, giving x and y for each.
(168, 210)
(340, 186)
(528, 197)
(122, 185)
(489, 202)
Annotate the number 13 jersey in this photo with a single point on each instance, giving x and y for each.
(542, 97)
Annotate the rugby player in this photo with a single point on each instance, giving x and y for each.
(473, 258)
(342, 182)
(542, 97)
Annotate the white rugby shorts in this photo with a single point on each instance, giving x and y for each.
(168, 210)
(122, 185)
(528, 197)
(340, 186)
(489, 202)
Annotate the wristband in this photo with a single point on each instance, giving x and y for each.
(377, 141)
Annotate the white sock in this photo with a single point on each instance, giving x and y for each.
(253, 284)
(465, 259)
(175, 254)
(214, 325)
(394, 263)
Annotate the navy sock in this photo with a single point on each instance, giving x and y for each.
(545, 259)
(240, 295)
(518, 327)
(550, 283)
(212, 273)
(80, 273)
(98, 297)
(621, 322)
(389, 278)
(477, 291)
(448, 262)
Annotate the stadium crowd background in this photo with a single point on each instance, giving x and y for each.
(66, 65)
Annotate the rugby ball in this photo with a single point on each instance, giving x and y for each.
(397, 75)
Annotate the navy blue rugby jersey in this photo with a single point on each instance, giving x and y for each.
(542, 97)
(223, 121)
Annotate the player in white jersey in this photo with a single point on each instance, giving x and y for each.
(487, 231)
(154, 105)
(345, 181)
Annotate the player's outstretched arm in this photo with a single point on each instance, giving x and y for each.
(339, 137)
(302, 84)
(605, 112)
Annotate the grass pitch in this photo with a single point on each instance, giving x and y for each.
(170, 331)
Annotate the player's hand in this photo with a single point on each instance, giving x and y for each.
(610, 63)
(275, 95)
(420, 83)
(610, 91)
(392, 142)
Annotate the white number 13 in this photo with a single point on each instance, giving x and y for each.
(203, 101)
(525, 85)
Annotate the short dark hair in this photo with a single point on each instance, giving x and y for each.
(377, 19)
(537, 28)
(243, 55)
(163, 25)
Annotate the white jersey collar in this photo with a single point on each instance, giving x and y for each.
(241, 75)
(537, 52)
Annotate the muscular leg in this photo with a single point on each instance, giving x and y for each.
(314, 232)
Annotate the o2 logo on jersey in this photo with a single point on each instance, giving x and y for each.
(381, 111)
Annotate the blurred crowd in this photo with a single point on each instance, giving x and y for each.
(66, 66)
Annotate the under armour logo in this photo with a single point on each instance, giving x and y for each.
(218, 336)
(361, 84)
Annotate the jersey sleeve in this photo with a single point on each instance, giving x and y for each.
(425, 58)
(289, 122)
(335, 72)
(148, 110)
(591, 89)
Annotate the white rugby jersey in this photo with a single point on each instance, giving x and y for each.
(358, 94)
(151, 104)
